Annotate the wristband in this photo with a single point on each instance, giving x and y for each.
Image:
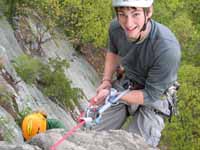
(109, 80)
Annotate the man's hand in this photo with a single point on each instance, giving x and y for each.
(101, 96)
(102, 91)
(105, 84)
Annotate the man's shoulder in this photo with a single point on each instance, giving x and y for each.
(114, 26)
(164, 41)
(163, 33)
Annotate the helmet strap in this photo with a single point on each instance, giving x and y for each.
(145, 17)
(145, 24)
(138, 39)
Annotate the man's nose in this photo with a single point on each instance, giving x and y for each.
(129, 21)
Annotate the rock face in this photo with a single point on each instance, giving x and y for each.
(6, 146)
(91, 140)
(24, 96)
(9, 129)
(82, 140)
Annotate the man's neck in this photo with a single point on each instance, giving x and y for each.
(145, 33)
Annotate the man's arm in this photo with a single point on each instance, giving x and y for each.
(111, 62)
(110, 65)
(134, 97)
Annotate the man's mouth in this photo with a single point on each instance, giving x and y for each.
(130, 29)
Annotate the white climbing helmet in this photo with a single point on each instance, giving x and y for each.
(132, 3)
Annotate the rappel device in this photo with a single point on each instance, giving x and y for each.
(93, 113)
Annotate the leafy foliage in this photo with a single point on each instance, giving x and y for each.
(56, 86)
(181, 17)
(49, 78)
(82, 21)
(184, 131)
(22, 114)
(27, 68)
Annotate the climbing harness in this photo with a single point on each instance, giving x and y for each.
(172, 99)
(92, 115)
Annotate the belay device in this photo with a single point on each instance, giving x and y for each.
(93, 113)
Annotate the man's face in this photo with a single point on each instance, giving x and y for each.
(131, 20)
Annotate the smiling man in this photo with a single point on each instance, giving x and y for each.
(150, 55)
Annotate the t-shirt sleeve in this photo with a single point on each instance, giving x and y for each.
(163, 72)
(111, 44)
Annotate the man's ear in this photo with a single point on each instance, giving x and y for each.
(150, 12)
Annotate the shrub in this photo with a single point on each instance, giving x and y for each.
(82, 21)
(184, 131)
(49, 78)
(27, 68)
(22, 114)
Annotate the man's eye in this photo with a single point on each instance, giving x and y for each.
(135, 15)
(121, 15)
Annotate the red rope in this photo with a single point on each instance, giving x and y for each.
(69, 133)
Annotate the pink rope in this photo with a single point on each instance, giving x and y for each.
(69, 133)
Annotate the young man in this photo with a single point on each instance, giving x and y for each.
(150, 55)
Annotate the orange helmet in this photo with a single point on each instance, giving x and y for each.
(33, 124)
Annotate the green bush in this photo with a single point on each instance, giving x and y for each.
(183, 19)
(57, 86)
(83, 21)
(184, 131)
(193, 8)
(27, 68)
(8, 7)
(50, 78)
(165, 11)
(188, 36)
(22, 114)
(95, 20)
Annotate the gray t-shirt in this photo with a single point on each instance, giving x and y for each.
(152, 63)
